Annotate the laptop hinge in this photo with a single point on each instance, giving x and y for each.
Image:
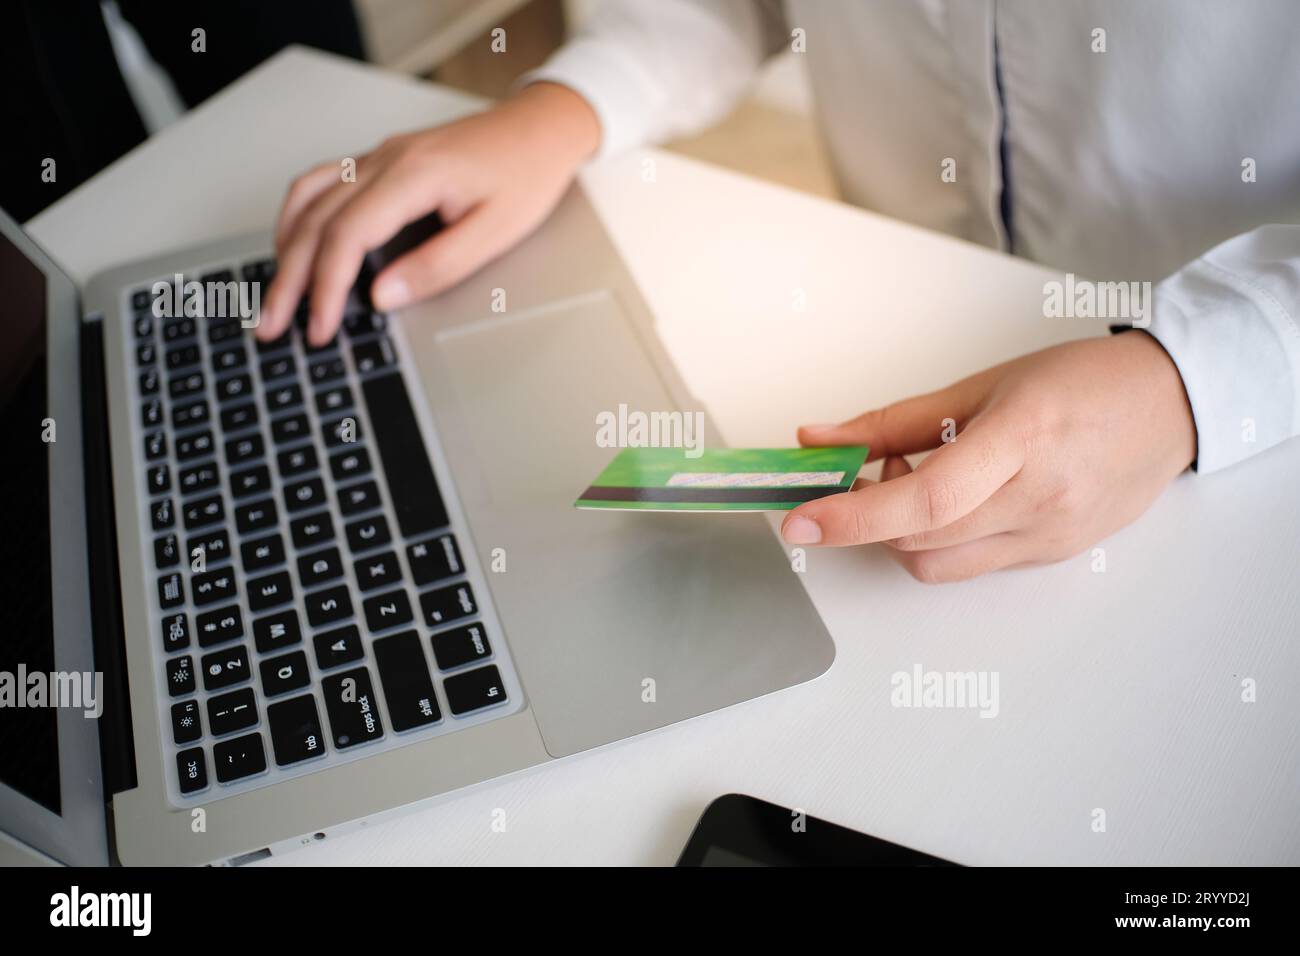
(116, 742)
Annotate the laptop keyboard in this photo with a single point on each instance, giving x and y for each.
(312, 598)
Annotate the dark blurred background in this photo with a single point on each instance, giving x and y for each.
(85, 81)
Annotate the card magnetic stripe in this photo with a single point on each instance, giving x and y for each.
(707, 495)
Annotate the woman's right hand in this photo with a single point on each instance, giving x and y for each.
(492, 177)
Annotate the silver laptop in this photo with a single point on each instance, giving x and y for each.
(278, 593)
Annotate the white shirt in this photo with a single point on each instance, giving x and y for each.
(1143, 141)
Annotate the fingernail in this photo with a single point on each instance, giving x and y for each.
(801, 530)
(392, 294)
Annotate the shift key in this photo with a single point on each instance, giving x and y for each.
(407, 687)
(350, 703)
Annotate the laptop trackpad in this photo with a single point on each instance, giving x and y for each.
(619, 622)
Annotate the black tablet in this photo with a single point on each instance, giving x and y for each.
(737, 830)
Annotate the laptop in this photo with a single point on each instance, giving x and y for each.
(275, 593)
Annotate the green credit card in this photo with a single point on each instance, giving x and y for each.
(722, 479)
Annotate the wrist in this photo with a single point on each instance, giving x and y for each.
(1172, 411)
(557, 120)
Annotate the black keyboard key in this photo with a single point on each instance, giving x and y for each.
(232, 712)
(333, 400)
(274, 631)
(190, 415)
(411, 484)
(171, 591)
(384, 611)
(278, 367)
(239, 758)
(434, 559)
(359, 498)
(162, 515)
(179, 386)
(474, 690)
(219, 626)
(175, 632)
(296, 461)
(233, 388)
(256, 516)
(259, 271)
(315, 351)
(196, 445)
(140, 299)
(155, 446)
(225, 667)
(377, 571)
(294, 428)
(181, 327)
(248, 448)
(342, 433)
(330, 605)
(150, 382)
(159, 479)
(182, 357)
(151, 413)
(250, 481)
(283, 398)
(338, 647)
(227, 360)
(312, 530)
(269, 590)
(166, 552)
(237, 417)
(221, 275)
(224, 330)
(199, 478)
(326, 370)
(461, 646)
(319, 567)
(180, 676)
(447, 604)
(350, 703)
(404, 674)
(367, 533)
(295, 730)
(143, 326)
(187, 725)
(285, 673)
(192, 770)
(146, 353)
(212, 546)
(373, 355)
(213, 586)
(275, 345)
(301, 495)
(260, 553)
(357, 324)
(203, 511)
(353, 463)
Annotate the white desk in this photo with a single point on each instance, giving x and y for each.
(1119, 690)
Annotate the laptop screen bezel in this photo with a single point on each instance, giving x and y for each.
(79, 834)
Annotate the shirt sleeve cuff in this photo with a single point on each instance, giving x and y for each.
(623, 99)
(1237, 350)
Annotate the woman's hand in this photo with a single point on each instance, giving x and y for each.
(1053, 452)
(493, 178)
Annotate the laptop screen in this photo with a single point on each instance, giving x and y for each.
(51, 791)
(29, 746)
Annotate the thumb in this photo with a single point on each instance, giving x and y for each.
(454, 253)
(903, 428)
